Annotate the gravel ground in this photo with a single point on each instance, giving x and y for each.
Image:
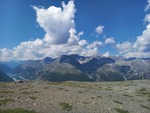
(77, 97)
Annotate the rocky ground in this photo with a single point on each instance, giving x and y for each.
(77, 97)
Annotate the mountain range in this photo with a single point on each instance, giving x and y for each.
(79, 68)
(4, 77)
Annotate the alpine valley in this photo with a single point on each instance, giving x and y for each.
(77, 68)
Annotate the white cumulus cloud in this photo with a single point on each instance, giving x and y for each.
(107, 54)
(141, 47)
(109, 40)
(148, 6)
(94, 44)
(99, 29)
(124, 47)
(147, 18)
(60, 38)
(56, 22)
(5, 54)
(142, 43)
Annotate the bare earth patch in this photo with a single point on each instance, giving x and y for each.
(76, 97)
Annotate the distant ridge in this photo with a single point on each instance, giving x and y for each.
(4, 77)
(79, 68)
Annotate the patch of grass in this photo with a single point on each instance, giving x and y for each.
(84, 102)
(132, 99)
(128, 84)
(99, 96)
(140, 101)
(108, 88)
(17, 110)
(73, 84)
(35, 92)
(125, 89)
(7, 91)
(60, 88)
(66, 90)
(33, 98)
(55, 83)
(110, 95)
(5, 101)
(142, 90)
(46, 87)
(29, 86)
(143, 106)
(80, 91)
(121, 110)
(92, 97)
(26, 92)
(66, 106)
(100, 87)
(126, 95)
(117, 102)
(142, 93)
(25, 88)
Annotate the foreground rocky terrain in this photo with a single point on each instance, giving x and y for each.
(76, 97)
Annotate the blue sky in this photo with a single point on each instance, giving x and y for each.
(120, 22)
